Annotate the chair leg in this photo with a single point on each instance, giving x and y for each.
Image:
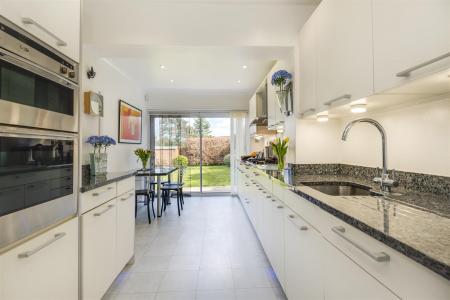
(181, 198)
(178, 203)
(148, 209)
(153, 206)
(135, 205)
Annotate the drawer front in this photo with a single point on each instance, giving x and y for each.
(397, 273)
(265, 181)
(96, 197)
(126, 185)
(45, 267)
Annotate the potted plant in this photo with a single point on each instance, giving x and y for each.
(99, 158)
(281, 79)
(144, 156)
(181, 162)
(280, 147)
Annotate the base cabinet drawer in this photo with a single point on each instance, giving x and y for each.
(43, 268)
(315, 269)
(98, 250)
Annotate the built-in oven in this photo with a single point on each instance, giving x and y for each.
(38, 85)
(38, 180)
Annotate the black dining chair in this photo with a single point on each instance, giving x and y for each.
(149, 199)
(173, 187)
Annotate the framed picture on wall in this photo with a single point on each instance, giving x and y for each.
(130, 123)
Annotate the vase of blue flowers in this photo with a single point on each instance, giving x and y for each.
(99, 158)
(281, 79)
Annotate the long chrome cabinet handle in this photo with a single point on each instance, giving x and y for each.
(103, 211)
(407, 72)
(99, 193)
(27, 254)
(346, 96)
(377, 256)
(301, 227)
(30, 21)
(129, 195)
(307, 111)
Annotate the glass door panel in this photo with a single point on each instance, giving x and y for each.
(215, 154)
(205, 142)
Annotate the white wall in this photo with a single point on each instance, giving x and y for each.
(113, 85)
(418, 139)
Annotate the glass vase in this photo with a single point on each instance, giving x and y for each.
(282, 97)
(281, 164)
(99, 163)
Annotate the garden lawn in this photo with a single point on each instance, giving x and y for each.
(212, 176)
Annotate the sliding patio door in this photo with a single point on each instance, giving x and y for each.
(205, 142)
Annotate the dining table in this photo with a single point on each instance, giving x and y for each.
(157, 172)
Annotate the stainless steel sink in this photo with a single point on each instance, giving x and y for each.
(341, 189)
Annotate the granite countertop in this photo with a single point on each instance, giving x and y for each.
(415, 224)
(93, 182)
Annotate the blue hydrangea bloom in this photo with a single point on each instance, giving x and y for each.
(281, 77)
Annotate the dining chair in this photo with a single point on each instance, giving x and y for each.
(175, 187)
(149, 198)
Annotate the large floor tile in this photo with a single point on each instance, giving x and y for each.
(179, 281)
(260, 294)
(175, 296)
(215, 295)
(251, 278)
(139, 283)
(214, 279)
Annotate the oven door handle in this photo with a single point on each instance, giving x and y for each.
(16, 60)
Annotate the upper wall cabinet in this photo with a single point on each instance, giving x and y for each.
(56, 22)
(409, 34)
(344, 51)
(307, 62)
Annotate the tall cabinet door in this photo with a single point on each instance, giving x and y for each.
(306, 55)
(98, 250)
(408, 33)
(125, 229)
(43, 268)
(344, 53)
(303, 259)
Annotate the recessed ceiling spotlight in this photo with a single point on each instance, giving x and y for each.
(162, 67)
(358, 108)
(244, 67)
(238, 81)
(322, 118)
(172, 81)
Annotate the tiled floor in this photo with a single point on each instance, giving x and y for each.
(209, 253)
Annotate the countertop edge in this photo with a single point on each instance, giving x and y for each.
(87, 188)
(416, 255)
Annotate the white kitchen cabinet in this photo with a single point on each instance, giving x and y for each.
(98, 250)
(344, 51)
(55, 20)
(266, 224)
(307, 65)
(125, 229)
(252, 108)
(406, 34)
(43, 268)
(344, 279)
(303, 259)
(277, 241)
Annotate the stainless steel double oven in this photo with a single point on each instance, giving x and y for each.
(39, 97)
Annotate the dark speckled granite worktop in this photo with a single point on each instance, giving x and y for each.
(93, 182)
(414, 223)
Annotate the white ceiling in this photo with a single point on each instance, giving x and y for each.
(203, 45)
